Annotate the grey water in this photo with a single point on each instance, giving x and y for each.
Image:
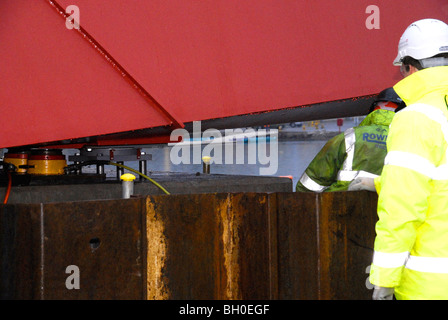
(293, 157)
(283, 158)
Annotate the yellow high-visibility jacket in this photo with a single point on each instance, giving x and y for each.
(411, 245)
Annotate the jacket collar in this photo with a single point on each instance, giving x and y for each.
(420, 83)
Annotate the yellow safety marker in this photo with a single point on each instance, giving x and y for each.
(206, 164)
(127, 177)
(127, 184)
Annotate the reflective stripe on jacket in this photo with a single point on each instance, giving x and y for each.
(411, 246)
(357, 152)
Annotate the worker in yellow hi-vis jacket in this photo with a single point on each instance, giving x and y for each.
(411, 247)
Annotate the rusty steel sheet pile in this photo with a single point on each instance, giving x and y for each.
(223, 246)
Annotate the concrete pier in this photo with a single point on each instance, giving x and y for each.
(92, 187)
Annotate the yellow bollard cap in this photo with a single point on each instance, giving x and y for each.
(127, 177)
(206, 159)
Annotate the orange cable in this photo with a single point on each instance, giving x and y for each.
(8, 190)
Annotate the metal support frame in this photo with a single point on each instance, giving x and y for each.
(116, 154)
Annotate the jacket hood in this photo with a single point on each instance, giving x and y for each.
(378, 117)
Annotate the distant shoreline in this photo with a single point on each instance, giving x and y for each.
(306, 135)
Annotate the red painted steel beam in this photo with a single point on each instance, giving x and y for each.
(115, 64)
(188, 61)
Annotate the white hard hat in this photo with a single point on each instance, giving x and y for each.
(423, 39)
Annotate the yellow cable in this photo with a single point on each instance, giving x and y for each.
(137, 172)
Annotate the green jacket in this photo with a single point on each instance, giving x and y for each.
(359, 151)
